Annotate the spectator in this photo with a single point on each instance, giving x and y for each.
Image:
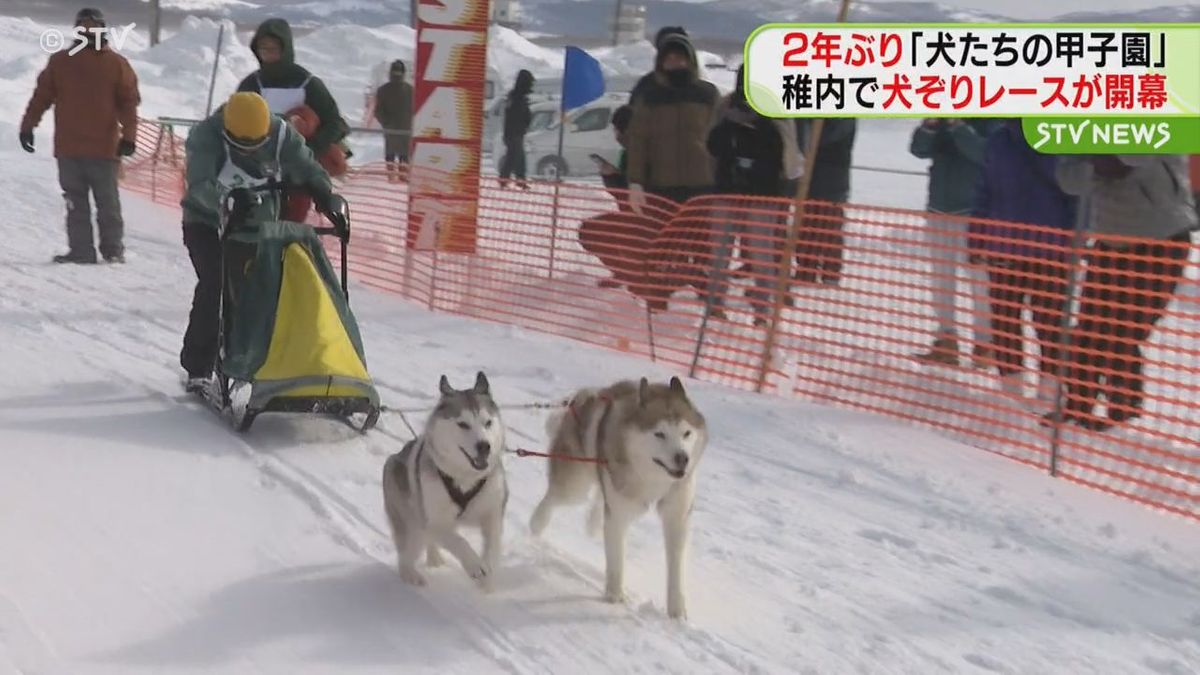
(1129, 283)
(648, 78)
(756, 156)
(240, 145)
(667, 149)
(820, 255)
(956, 148)
(517, 118)
(95, 98)
(287, 86)
(1024, 241)
(394, 112)
(672, 114)
(619, 239)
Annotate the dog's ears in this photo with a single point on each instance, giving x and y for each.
(677, 387)
(482, 387)
(444, 386)
(643, 391)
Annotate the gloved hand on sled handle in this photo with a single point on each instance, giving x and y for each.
(126, 148)
(239, 202)
(637, 199)
(27, 141)
(334, 207)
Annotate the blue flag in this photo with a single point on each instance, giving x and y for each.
(583, 81)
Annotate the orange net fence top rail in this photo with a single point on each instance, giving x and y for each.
(1071, 353)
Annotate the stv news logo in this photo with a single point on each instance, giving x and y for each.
(53, 40)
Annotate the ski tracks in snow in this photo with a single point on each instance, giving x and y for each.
(536, 575)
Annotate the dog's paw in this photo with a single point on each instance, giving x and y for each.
(433, 557)
(477, 570)
(412, 577)
(678, 613)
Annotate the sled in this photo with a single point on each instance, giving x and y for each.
(288, 342)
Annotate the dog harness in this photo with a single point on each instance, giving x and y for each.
(460, 498)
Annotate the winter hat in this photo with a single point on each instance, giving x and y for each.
(668, 30)
(247, 119)
(90, 14)
(675, 43)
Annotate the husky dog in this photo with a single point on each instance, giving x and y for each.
(645, 441)
(451, 475)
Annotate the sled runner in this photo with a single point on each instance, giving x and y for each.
(288, 340)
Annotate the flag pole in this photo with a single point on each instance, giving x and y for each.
(782, 282)
(212, 82)
(562, 129)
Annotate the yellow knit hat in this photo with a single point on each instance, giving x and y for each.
(247, 117)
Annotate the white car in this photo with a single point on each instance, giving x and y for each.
(588, 132)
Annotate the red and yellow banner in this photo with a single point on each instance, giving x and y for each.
(447, 124)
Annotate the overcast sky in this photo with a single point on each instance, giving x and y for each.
(1045, 9)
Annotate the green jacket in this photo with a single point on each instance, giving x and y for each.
(957, 154)
(208, 156)
(286, 74)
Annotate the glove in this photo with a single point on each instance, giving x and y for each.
(27, 141)
(126, 148)
(335, 208)
(637, 199)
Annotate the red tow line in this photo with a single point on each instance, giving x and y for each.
(522, 452)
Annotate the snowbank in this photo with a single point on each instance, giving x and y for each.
(174, 75)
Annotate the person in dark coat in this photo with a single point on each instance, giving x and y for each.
(517, 118)
(1141, 219)
(1023, 236)
(669, 164)
(956, 148)
(394, 112)
(754, 157)
(822, 249)
(287, 87)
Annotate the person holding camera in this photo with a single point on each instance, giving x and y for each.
(240, 147)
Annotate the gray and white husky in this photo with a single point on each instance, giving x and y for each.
(646, 440)
(451, 476)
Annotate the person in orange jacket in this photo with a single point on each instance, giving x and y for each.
(94, 93)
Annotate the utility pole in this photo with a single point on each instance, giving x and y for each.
(155, 22)
(617, 24)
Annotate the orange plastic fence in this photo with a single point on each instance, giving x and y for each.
(1116, 322)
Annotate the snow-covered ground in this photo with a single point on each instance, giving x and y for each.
(140, 535)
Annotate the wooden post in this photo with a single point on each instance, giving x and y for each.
(783, 282)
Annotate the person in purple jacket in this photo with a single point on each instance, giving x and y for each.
(1023, 235)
